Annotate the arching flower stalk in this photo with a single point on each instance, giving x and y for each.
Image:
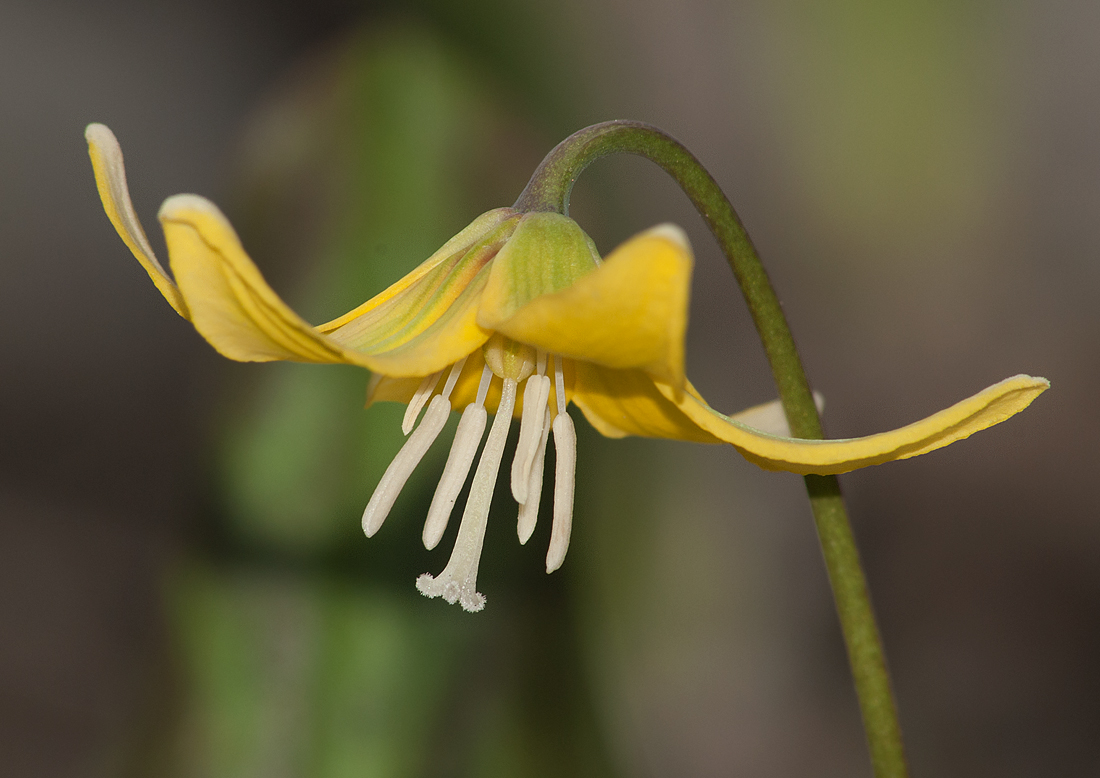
(517, 316)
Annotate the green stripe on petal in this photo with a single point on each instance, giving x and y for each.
(631, 312)
(827, 457)
(410, 312)
(456, 247)
(450, 335)
(547, 253)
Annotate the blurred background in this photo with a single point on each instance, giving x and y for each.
(184, 587)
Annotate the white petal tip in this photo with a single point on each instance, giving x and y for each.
(180, 203)
(671, 233)
(99, 134)
(451, 591)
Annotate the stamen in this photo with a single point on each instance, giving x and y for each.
(559, 385)
(458, 581)
(483, 387)
(403, 464)
(452, 377)
(535, 395)
(529, 510)
(540, 361)
(467, 438)
(418, 401)
(565, 473)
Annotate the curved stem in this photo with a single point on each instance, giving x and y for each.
(549, 190)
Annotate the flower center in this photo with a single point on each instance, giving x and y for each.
(512, 363)
(509, 359)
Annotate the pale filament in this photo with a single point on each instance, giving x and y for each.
(402, 466)
(467, 438)
(458, 581)
(535, 395)
(559, 385)
(418, 401)
(404, 463)
(529, 510)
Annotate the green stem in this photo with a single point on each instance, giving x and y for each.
(549, 190)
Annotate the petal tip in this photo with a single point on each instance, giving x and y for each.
(670, 232)
(100, 134)
(180, 204)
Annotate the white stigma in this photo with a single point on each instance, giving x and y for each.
(458, 581)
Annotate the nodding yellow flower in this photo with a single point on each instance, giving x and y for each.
(517, 316)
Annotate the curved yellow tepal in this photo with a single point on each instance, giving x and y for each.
(828, 457)
(630, 312)
(230, 303)
(627, 402)
(110, 179)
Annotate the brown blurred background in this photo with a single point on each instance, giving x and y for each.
(184, 589)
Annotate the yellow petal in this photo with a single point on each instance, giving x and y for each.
(230, 303)
(990, 406)
(631, 312)
(233, 307)
(627, 402)
(110, 179)
(382, 388)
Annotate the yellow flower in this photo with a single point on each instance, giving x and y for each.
(517, 316)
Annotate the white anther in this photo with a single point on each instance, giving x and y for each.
(467, 438)
(565, 472)
(404, 463)
(529, 510)
(458, 581)
(535, 395)
(559, 386)
(418, 401)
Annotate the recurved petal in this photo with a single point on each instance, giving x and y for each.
(230, 303)
(110, 179)
(824, 457)
(769, 417)
(631, 312)
(627, 402)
